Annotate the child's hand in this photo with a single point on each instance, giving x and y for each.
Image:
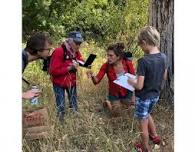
(131, 82)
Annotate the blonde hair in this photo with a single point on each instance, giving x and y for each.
(150, 35)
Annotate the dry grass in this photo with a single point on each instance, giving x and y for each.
(93, 130)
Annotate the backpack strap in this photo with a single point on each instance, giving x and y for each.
(46, 63)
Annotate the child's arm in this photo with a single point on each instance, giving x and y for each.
(141, 68)
(137, 85)
(165, 75)
(166, 67)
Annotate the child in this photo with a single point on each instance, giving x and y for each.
(151, 71)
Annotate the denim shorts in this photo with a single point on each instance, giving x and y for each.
(126, 97)
(144, 107)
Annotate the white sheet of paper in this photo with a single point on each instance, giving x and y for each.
(122, 81)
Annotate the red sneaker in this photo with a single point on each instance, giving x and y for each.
(155, 139)
(139, 147)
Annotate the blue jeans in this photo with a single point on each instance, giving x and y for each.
(60, 98)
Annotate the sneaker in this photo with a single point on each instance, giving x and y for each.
(155, 139)
(139, 147)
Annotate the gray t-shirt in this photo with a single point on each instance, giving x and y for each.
(152, 67)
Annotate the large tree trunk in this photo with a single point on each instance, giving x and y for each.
(162, 17)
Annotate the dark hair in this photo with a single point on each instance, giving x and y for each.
(117, 48)
(37, 42)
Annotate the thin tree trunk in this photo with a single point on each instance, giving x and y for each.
(162, 17)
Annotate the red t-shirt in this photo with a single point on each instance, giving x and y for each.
(58, 69)
(114, 89)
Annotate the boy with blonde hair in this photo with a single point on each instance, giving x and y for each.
(151, 70)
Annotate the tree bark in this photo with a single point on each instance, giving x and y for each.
(162, 17)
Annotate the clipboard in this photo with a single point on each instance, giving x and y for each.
(122, 81)
(88, 62)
